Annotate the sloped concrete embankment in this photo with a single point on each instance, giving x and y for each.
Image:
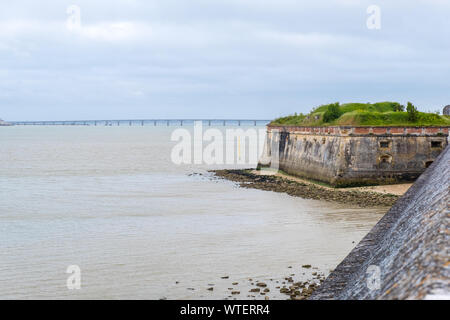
(409, 245)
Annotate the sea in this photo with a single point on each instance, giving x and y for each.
(103, 212)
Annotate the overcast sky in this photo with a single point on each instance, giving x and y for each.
(217, 58)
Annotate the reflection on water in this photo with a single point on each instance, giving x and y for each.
(109, 200)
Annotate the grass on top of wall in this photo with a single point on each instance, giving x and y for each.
(363, 114)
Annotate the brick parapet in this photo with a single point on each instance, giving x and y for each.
(364, 131)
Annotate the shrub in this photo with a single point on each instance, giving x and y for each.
(333, 112)
(398, 107)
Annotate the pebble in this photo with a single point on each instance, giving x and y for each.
(294, 290)
(261, 284)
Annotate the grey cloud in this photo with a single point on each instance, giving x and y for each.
(256, 59)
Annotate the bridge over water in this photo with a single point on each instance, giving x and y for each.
(144, 122)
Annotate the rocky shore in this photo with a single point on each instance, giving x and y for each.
(299, 283)
(248, 179)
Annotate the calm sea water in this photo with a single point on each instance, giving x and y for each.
(110, 200)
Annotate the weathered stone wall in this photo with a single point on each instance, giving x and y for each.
(409, 245)
(344, 156)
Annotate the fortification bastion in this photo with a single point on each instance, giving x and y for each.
(347, 156)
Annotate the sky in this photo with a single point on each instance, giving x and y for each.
(251, 59)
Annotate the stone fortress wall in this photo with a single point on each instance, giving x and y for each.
(349, 156)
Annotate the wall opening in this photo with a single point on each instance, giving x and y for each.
(385, 159)
(384, 144)
(436, 144)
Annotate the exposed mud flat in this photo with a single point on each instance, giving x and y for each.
(249, 179)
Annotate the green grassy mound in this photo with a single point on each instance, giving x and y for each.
(365, 114)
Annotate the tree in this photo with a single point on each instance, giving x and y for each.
(333, 112)
(413, 113)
